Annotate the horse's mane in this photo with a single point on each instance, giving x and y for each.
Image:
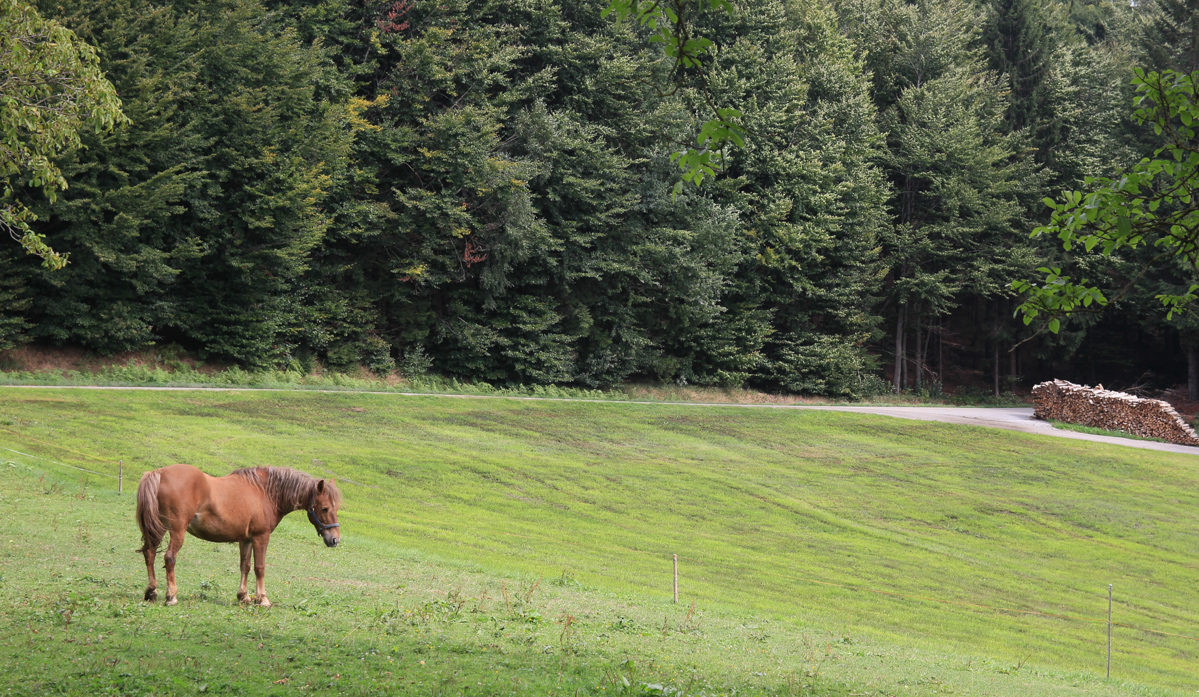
(290, 490)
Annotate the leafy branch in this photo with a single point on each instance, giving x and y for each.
(51, 87)
(1153, 203)
(669, 25)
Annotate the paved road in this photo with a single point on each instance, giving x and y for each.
(1011, 419)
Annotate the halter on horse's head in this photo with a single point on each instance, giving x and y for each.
(324, 503)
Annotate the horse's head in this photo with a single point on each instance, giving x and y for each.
(326, 499)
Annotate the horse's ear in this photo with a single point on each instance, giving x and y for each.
(320, 486)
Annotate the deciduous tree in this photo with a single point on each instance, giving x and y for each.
(51, 89)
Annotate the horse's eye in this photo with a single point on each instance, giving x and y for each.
(325, 509)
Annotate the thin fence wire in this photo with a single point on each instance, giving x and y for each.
(43, 459)
(439, 526)
(56, 445)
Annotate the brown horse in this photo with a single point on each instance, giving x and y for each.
(243, 507)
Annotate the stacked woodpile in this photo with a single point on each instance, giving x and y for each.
(1115, 411)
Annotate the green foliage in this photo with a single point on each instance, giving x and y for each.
(813, 230)
(51, 90)
(959, 184)
(489, 192)
(1020, 46)
(828, 366)
(13, 301)
(199, 218)
(670, 26)
(961, 173)
(1152, 204)
(1170, 41)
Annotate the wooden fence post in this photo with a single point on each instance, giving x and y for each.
(1109, 630)
(676, 578)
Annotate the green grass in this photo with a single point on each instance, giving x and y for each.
(466, 496)
(1102, 431)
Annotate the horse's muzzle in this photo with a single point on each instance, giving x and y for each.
(331, 541)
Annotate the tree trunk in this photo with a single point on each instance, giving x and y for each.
(919, 356)
(898, 377)
(925, 369)
(907, 368)
(1192, 372)
(941, 355)
(996, 367)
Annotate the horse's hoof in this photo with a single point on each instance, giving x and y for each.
(151, 595)
(264, 603)
(243, 598)
(172, 600)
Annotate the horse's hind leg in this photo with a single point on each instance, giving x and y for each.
(152, 585)
(177, 537)
(246, 548)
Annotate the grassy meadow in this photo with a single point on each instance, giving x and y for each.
(499, 546)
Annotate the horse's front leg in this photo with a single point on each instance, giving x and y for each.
(246, 549)
(177, 537)
(260, 543)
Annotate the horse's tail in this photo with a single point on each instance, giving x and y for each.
(147, 511)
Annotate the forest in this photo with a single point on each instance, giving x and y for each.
(485, 190)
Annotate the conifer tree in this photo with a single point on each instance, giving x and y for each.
(1171, 39)
(194, 223)
(1020, 46)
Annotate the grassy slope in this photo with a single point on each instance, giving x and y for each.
(753, 501)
